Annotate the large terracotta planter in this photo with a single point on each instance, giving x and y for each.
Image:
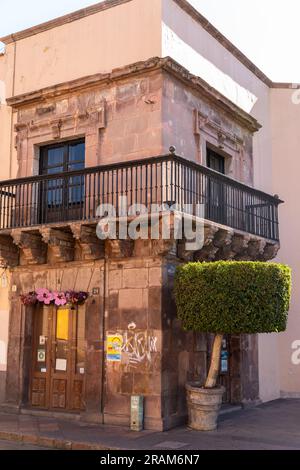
(203, 406)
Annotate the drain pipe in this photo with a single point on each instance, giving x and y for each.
(105, 314)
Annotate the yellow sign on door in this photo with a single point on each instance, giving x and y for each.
(62, 324)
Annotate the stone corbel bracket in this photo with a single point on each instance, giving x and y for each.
(119, 248)
(9, 252)
(92, 248)
(61, 244)
(224, 243)
(32, 248)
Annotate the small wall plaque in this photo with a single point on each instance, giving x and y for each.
(41, 355)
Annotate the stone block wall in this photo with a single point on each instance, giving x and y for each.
(134, 301)
(136, 111)
(120, 121)
(71, 276)
(192, 123)
(134, 289)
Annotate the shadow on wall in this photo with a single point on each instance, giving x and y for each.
(3, 360)
(183, 51)
(3, 354)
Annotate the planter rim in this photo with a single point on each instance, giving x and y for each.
(197, 387)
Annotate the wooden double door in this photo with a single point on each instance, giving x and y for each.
(58, 359)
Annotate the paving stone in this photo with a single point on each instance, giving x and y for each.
(171, 445)
(272, 426)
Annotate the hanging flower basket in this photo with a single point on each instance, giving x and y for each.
(47, 297)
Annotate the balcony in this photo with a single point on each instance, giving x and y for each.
(236, 216)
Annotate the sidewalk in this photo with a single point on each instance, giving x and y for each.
(275, 425)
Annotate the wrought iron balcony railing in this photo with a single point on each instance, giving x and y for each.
(75, 195)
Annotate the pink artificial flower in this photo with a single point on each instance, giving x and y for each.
(44, 296)
(59, 298)
(29, 299)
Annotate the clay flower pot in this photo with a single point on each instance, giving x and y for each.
(203, 406)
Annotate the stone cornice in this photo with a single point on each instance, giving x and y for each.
(69, 18)
(167, 65)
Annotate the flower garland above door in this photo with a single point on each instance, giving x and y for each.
(48, 297)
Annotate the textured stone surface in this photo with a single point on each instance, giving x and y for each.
(130, 114)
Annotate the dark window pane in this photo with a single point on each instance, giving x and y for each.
(215, 162)
(76, 166)
(55, 156)
(76, 152)
(54, 170)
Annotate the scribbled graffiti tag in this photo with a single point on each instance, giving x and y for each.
(139, 346)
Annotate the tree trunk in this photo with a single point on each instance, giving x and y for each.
(213, 373)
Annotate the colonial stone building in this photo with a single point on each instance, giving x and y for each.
(124, 120)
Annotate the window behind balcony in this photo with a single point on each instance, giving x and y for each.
(62, 196)
(216, 209)
(215, 161)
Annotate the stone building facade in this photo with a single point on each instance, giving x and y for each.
(123, 115)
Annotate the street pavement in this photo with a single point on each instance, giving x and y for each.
(272, 426)
(6, 445)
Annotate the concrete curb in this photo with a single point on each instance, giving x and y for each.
(44, 441)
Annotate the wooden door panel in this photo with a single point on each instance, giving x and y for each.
(59, 393)
(52, 385)
(77, 395)
(38, 395)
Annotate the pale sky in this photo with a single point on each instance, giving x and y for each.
(267, 31)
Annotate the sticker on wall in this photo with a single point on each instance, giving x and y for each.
(224, 361)
(114, 348)
(41, 355)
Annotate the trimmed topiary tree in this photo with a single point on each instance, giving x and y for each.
(228, 297)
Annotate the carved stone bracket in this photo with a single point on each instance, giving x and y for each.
(223, 240)
(33, 249)
(256, 248)
(91, 246)
(119, 248)
(164, 247)
(61, 244)
(221, 243)
(270, 251)
(240, 244)
(9, 253)
(210, 231)
(183, 253)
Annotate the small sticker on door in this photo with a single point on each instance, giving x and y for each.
(42, 340)
(61, 364)
(41, 355)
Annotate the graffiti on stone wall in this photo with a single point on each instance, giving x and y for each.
(139, 346)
